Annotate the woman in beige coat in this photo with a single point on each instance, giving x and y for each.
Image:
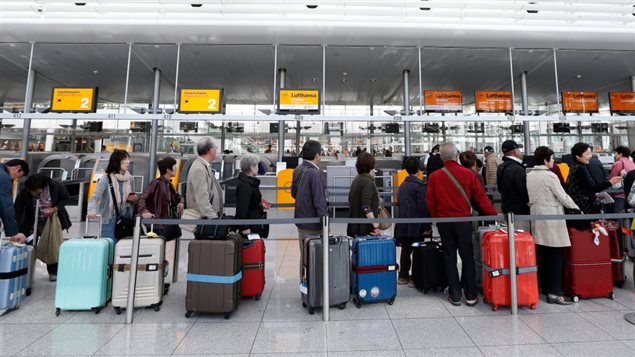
(546, 196)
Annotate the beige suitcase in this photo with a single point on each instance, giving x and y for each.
(151, 270)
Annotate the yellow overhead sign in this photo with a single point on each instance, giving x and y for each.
(200, 101)
(74, 100)
(299, 100)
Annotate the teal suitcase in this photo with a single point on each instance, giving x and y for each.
(84, 274)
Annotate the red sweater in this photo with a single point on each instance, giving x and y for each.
(445, 200)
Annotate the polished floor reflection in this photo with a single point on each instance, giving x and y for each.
(416, 325)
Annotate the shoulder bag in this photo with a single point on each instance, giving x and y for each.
(124, 226)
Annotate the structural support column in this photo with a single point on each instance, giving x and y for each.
(406, 109)
(223, 130)
(369, 142)
(283, 75)
(523, 87)
(630, 126)
(28, 103)
(155, 125)
(74, 135)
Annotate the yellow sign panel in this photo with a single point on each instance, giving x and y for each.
(285, 178)
(299, 100)
(74, 100)
(200, 101)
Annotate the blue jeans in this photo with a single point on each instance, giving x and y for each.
(108, 228)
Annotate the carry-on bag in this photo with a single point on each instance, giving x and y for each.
(84, 273)
(428, 266)
(618, 258)
(214, 276)
(628, 237)
(14, 266)
(253, 283)
(339, 272)
(496, 262)
(587, 264)
(374, 275)
(477, 246)
(151, 271)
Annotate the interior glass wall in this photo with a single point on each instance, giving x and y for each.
(14, 65)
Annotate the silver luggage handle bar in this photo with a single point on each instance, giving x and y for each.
(99, 219)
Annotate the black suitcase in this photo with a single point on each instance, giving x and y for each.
(428, 266)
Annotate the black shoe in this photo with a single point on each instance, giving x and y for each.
(471, 302)
(455, 303)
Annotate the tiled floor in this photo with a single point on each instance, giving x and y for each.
(277, 325)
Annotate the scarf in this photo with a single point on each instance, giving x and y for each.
(127, 189)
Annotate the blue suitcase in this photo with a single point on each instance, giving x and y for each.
(374, 276)
(14, 266)
(84, 274)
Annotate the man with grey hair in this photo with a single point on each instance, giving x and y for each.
(204, 197)
(455, 191)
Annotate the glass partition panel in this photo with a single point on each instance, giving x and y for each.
(541, 81)
(14, 65)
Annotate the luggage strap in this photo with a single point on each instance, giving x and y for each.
(374, 268)
(493, 273)
(254, 266)
(215, 279)
(14, 274)
(590, 263)
(140, 267)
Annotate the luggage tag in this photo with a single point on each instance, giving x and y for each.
(150, 234)
(303, 288)
(597, 230)
(253, 236)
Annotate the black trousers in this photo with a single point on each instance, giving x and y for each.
(405, 260)
(550, 265)
(458, 236)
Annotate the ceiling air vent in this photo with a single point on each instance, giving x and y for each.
(80, 4)
(312, 7)
(196, 5)
(532, 8)
(424, 8)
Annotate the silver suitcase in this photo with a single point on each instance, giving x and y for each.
(339, 272)
(151, 270)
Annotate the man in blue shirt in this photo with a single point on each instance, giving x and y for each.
(9, 171)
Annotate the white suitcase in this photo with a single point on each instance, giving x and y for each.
(151, 270)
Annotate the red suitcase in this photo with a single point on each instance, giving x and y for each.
(253, 283)
(587, 264)
(618, 258)
(496, 282)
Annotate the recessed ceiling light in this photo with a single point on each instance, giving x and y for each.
(532, 9)
(80, 4)
(345, 74)
(578, 76)
(373, 80)
(95, 71)
(196, 5)
(312, 7)
(424, 8)
(343, 80)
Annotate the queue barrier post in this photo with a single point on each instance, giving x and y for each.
(512, 263)
(134, 260)
(325, 268)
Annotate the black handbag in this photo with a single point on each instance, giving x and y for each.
(262, 229)
(212, 230)
(124, 226)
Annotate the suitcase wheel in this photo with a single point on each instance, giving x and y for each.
(611, 296)
(28, 291)
(156, 307)
(341, 306)
(575, 298)
(304, 305)
(228, 315)
(494, 307)
(188, 314)
(533, 306)
(619, 285)
(358, 303)
(311, 311)
(257, 297)
(57, 311)
(117, 310)
(391, 301)
(96, 310)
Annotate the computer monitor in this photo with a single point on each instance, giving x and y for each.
(292, 161)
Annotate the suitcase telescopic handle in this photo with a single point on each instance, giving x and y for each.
(99, 220)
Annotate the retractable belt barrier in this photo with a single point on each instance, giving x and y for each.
(326, 220)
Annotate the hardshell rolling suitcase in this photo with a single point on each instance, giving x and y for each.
(496, 262)
(151, 270)
(14, 266)
(214, 276)
(587, 264)
(253, 283)
(84, 274)
(428, 266)
(477, 246)
(339, 272)
(374, 270)
(629, 238)
(618, 258)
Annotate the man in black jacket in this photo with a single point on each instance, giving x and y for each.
(511, 179)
